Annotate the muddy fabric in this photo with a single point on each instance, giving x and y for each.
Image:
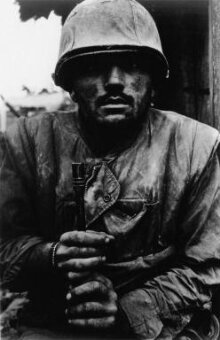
(160, 199)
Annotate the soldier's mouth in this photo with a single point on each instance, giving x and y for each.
(115, 104)
(115, 100)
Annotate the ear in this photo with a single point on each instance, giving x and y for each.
(73, 96)
(153, 97)
(153, 94)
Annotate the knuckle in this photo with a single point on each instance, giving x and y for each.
(111, 320)
(78, 264)
(94, 261)
(109, 284)
(114, 296)
(96, 307)
(95, 285)
(64, 237)
(85, 307)
(111, 309)
(94, 323)
(68, 275)
(70, 251)
(76, 251)
(103, 290)
(73, 276)
(84, 251)
(75, 235)
(93, 233)
(94, 251)
(75, 292)
(80, 308)
(114, 309)
(102, 233)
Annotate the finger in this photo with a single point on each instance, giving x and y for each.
(111, 237)
(81, 264)
(98, 323)
(82, 238)
(101, 278)
(89, 290)
(77, 276)
(78, 252)
(91, 293)
(92, 309)
(61, 250)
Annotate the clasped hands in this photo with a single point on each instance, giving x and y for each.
(91, 299)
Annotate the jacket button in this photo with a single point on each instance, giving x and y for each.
(107, 198)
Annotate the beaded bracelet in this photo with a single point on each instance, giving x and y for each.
(53, 253)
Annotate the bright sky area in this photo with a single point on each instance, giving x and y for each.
(28, 50)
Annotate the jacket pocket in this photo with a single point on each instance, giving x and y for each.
(135, 224)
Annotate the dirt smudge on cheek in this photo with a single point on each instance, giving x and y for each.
(90, 92)
(140, 84)
(137, 84)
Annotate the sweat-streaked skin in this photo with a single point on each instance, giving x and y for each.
(113, 93)
(112, 89)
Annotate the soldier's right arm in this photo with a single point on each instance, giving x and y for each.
(25, 251)
(17, 218)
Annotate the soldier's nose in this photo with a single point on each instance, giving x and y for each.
(114, 78)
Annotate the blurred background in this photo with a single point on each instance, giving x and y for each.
(29, 40)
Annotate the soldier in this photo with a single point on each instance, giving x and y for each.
(146, 261)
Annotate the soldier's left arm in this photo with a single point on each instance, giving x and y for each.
(163, 306)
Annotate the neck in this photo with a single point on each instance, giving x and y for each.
(104, 140)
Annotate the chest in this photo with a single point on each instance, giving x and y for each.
(124, 197)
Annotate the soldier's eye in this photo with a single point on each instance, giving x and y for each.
(130, 65)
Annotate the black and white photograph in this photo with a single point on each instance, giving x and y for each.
(110, 169)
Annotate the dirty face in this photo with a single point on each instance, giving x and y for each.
(112, 89)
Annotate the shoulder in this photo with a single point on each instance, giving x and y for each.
(200, 135)
(44, 124)
(190, 138)
(27, 137)
(50, 121)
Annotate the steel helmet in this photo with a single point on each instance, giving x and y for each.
(107, 26)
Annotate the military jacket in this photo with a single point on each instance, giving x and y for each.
(159, 197)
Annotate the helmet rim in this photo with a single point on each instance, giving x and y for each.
(75, 55)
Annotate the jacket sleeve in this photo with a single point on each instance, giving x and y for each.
(19, 226)
(165, 304)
